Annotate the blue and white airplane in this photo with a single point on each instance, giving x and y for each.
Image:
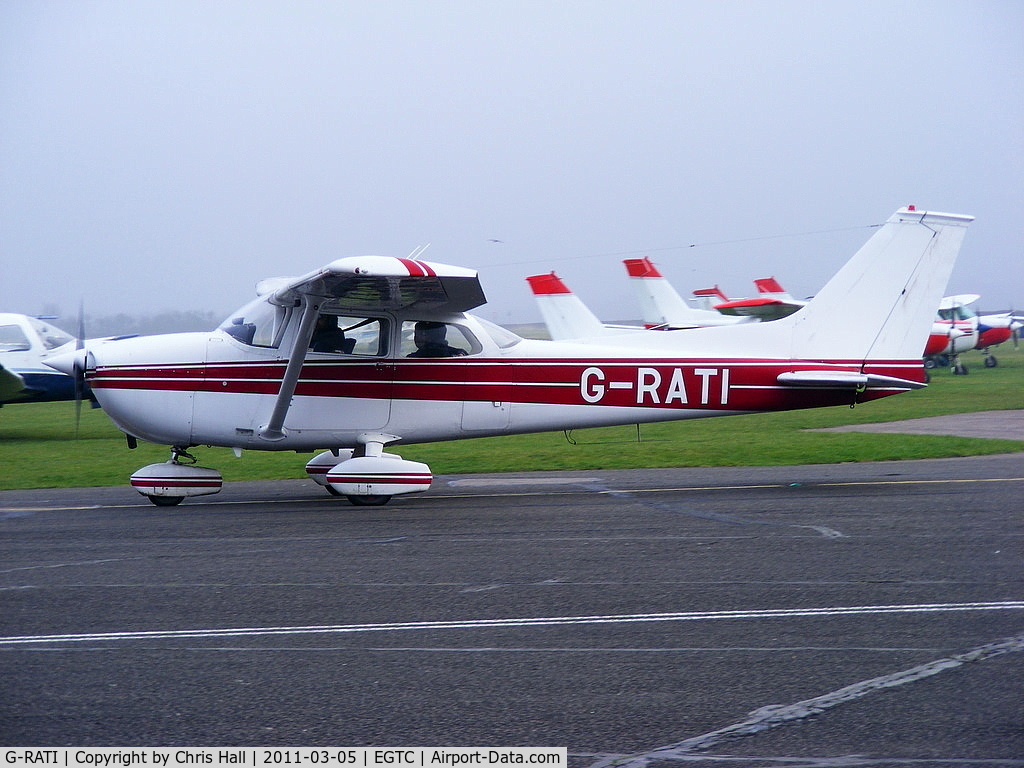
(26, 343)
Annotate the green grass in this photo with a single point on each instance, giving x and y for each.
(38, 448)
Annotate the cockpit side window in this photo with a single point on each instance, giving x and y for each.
(957, 312)
(341, 334)
(51, 336)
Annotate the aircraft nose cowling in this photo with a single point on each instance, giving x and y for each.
(68, 362)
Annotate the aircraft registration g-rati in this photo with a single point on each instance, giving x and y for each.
(370, 351)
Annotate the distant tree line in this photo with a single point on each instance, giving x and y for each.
(123, 324)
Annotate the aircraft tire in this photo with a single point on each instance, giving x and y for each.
(369, 501)
(166, 501)
(991, 362)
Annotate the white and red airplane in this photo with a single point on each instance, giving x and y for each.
(564, 314)
(567, 318)
(993, 330)
(954, 331)
(959, 328)
(662, 307)
(400, 360)
(771, 303)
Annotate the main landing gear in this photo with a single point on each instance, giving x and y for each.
(956, 365)
(366, 476)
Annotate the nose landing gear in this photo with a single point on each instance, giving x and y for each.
(169, 483)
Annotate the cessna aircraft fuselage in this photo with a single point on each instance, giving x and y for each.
(221, 391)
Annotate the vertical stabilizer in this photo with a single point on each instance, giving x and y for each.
(564, 314)
(769, 286)
(882, 303)
(708, 298)
(661, 306)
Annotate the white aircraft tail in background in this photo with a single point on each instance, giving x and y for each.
(564, 314)
(662, 307)
(771, 303)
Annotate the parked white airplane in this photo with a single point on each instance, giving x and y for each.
(959, 328)
(662, 307)
(404, 363)
(771, 303)
(565, 314)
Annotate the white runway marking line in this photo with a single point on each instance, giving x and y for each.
(514, 622)
(772, 716)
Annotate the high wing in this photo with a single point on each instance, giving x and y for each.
(960, 300)
(364, 284)
(381, 283)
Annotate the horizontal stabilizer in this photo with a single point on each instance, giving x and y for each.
(844, 380)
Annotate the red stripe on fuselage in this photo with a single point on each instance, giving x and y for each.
(681, 384)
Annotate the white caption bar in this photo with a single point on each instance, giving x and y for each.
(277, 757)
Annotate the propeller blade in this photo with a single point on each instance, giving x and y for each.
(79, 367)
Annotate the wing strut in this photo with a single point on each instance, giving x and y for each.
(274, 429)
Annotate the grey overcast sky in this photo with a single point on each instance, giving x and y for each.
(167, 155)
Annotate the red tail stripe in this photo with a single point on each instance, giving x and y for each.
(547, 285)
(641, 268)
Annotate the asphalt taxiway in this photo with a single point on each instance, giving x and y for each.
(820, 615)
